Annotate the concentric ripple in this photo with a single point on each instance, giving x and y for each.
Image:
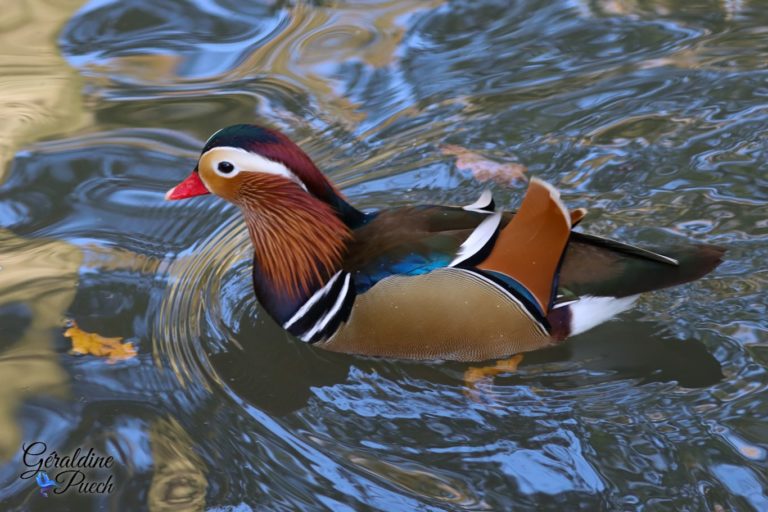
(209, 290)
(650, 114)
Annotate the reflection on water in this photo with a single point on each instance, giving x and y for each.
(37, 283)
(178, 481)
(650, 113)
(39, 93)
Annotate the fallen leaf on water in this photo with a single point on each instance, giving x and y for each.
(97, 345)
(483, 169)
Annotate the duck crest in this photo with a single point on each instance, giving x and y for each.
(299, 241)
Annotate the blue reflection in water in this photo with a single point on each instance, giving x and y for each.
(742, 482)
(651, 116)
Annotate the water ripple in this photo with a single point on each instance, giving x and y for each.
(650, 114)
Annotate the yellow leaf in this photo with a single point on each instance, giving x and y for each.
(97, 345)
(484, 169)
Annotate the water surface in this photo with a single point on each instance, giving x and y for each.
(651, 114)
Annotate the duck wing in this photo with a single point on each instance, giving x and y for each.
(603, 267)
(533, 251)
(520, 251)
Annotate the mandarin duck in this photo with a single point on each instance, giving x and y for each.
(422, 282)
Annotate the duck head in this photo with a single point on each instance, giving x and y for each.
(298, 222)
(236, 160)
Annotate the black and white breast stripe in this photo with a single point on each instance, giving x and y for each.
(325, 310)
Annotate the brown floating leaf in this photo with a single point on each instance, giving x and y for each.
(483, 169)
(97, 345)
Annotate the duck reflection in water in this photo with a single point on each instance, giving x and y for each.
(278, 376)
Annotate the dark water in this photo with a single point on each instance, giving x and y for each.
(651, 113)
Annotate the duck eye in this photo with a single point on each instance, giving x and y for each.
(226, 167)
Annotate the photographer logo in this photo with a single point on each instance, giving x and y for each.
(83, 471)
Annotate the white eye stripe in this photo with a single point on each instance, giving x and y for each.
(245, 161)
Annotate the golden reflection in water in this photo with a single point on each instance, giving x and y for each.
(320, 39)
(730, 8)
(42, 275)
(40, 95)
(110, 259)
(714, 50)
(155, 68)
(179, 482)
(419, 481)
(303, 56)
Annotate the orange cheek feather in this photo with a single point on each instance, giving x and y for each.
(190, 187)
